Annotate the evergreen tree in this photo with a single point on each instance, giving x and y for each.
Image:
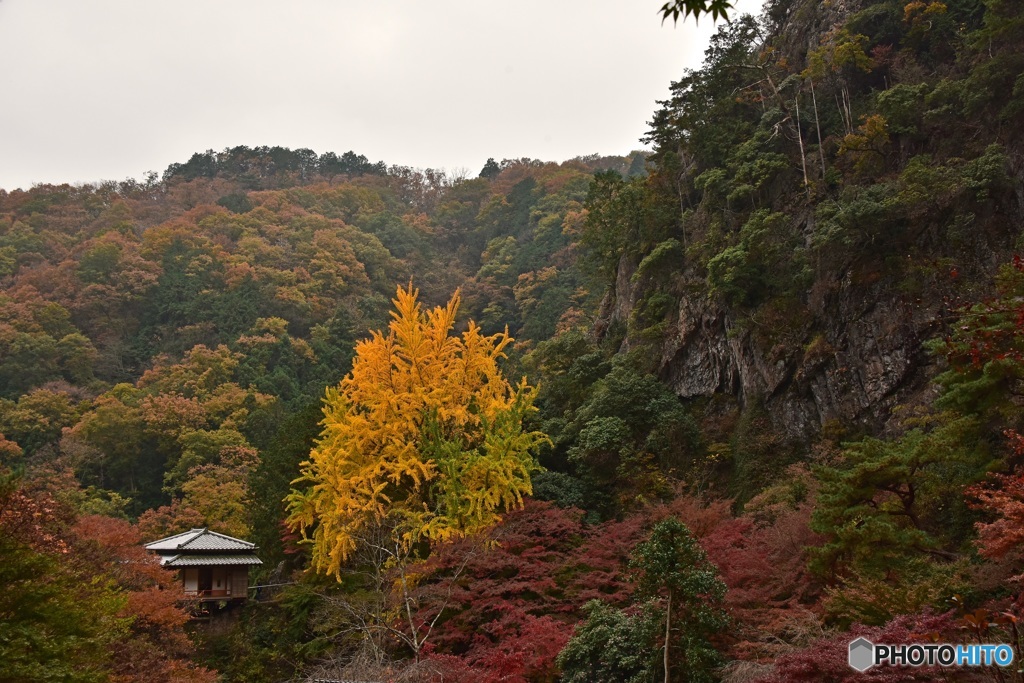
(673, 570)
(681, 611)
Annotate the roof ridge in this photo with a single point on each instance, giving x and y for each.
(205, 531)
(201, 540)
(202, 532)
(230, 538)
(168, 538)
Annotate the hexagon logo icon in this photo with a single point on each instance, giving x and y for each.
(862, 654)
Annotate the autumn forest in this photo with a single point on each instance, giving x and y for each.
(704, 412)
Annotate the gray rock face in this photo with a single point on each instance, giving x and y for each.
(859, 355)
(855, 348)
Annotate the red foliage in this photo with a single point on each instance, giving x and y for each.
(599, 564)
(34, 521)
(1003, 498)
(513, 606)
(771, 596)
(168, 520)
(159, 648)
(108, 552)
(517, 648)
(992, 330)
(517, 595)
(827, 658)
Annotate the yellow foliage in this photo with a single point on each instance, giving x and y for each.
(839, 50)
(917, 12)
(425, 432)
(867, 147)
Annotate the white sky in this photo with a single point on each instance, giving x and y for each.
(107, 89)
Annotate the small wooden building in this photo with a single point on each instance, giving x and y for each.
(212, 566)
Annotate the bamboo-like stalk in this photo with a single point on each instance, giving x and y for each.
(817, 125)
(800, 141)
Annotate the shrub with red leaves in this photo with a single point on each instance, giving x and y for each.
(827, 659)
(518, 595)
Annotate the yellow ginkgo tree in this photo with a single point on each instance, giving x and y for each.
(424, 436)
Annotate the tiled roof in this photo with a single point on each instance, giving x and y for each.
(200, 540)
(209, 560)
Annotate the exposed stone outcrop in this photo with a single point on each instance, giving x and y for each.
(852, 347)
(860, 355)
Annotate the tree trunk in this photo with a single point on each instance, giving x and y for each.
(668, 625)
(800, 141)
(817, 125)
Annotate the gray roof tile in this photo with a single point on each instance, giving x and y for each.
(200, 539)
(209, 560)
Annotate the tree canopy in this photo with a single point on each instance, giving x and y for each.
(425, 432)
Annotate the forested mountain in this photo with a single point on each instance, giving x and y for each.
(772, 373)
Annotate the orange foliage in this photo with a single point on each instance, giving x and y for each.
(159, 648)
(168, 520)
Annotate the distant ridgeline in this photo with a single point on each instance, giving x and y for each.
(251, 164)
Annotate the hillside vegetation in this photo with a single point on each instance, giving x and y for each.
(772, 397)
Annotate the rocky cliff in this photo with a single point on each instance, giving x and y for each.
(920, 234)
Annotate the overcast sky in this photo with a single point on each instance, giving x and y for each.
(108, 89)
